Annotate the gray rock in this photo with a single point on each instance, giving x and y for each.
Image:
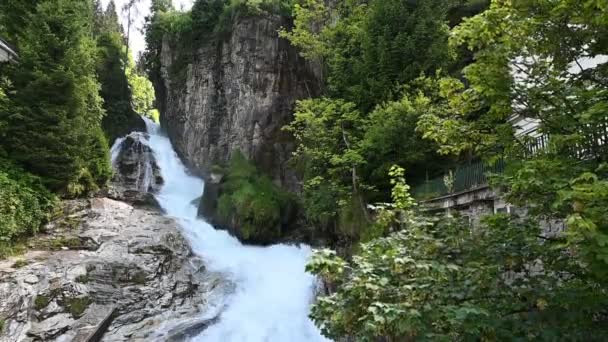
(50, 328)
(30, 279)
(235, 93)
(208, 204)
(143, 267)
(137, 175)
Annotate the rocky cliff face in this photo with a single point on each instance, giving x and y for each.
(235, 93)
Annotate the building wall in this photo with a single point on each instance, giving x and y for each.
(4, 56)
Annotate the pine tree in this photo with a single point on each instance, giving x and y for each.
(55, 122)
(98, 16)
(111, 21)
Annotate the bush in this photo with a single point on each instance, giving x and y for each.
(436, 279)
(251, 201)
(25, 204)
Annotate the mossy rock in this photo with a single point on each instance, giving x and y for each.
(20, 263)
(248, 204)
(77, 306)
(42, 301)
(139, 277)
(83, 278)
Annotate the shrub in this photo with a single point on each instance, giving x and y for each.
(25, 204)
(252, 201)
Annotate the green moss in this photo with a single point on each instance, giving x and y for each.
(20, 263)
(139, 277)
(70, 242)
(41, 301)
(77, 306)
(252, 200)
(2, 323)
(71, 222)
(83, 278)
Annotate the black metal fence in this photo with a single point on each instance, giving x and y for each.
(463, 178)
(471, 176)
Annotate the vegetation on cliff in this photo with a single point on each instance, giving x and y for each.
(251, 203)
(206, 22)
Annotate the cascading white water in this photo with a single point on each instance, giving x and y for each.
(115, 150)
(273, 292)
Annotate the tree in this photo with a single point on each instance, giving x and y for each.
(131, 9)
(371, 48)
(142, 91)
(54, 124)
(327, 134)
(375, 53)
(121, 119)
(509, 277)
(536, 59)
(438, 279)
(391, 137)
(111, 22)
(14, 16)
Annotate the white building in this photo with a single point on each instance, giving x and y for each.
(7, 54)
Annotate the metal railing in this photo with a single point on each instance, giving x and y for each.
(463, 178)
(475, 175)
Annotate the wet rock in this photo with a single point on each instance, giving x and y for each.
(208, 204)
(137, 175)
(143, 267)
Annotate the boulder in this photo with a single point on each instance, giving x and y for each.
(136, 173)
(142, 267)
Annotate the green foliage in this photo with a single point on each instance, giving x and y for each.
(530, 61)
(55, 107)
(374, 53)
(251, 201)
(372, 47)
(77, 306)
(25, 204)
(327, 134)
(119, 82)
(508, 278)
(142, 92)
(391, 136)
(438, 279)
(14, 16)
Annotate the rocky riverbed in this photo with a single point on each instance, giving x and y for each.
(118, 257)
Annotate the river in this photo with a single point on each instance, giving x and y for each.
(273, 293)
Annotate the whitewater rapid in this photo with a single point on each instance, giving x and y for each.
(273, 292)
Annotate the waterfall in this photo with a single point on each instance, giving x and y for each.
(273, 292)
(115, 150)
